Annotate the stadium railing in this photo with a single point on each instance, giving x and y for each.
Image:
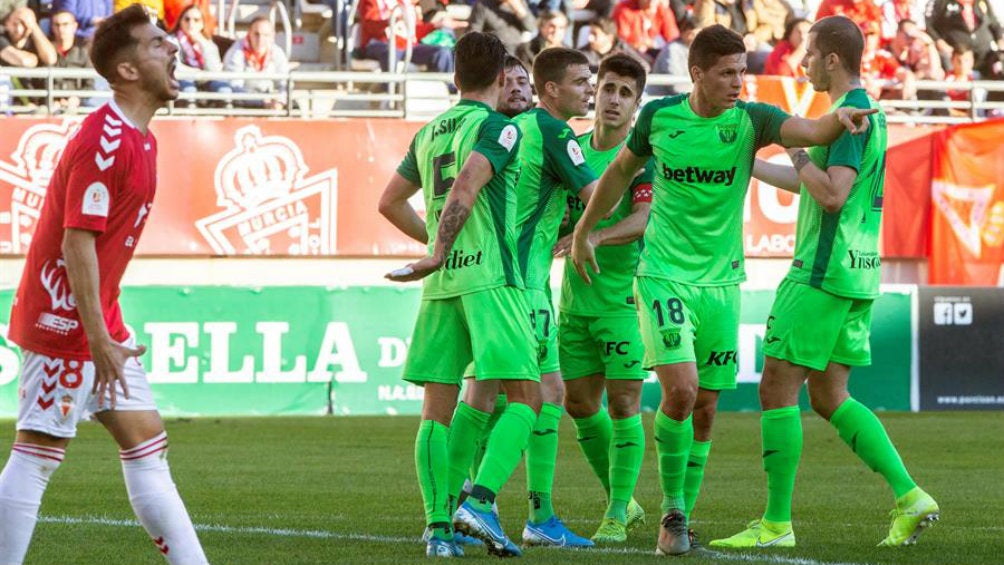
(411, 95)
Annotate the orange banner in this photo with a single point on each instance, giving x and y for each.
(291, 187)
(968, 214)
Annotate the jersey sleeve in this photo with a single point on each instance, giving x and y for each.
(409, 165)
(641, 184)
(767, 120)
(638, 140)
(498, 140)
(563, 151)
(848, 149)
(91, 184)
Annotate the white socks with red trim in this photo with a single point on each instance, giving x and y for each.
(22, 484)
(156, 502)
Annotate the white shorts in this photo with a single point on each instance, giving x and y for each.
(55, 393)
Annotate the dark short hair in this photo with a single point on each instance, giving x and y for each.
(548, 15)
(480, 57)
(713, 43)
(789, 27)
(63, 11)
(607, 25)
(624, 65)
(259, 19)
(841, 36)
(113, 40)
(513, 62)
(550, 65)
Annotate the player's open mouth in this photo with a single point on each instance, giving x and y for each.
(170, 74)
(611, 114)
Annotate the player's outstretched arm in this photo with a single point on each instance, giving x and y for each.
(608, 193)
(830, 188)
(627, 230)
(476, 173)
(803, 132)
(109, 357)
(395, 207)
(784, 177)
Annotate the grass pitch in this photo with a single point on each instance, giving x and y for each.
(342, 490)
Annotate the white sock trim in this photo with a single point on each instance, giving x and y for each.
(145, 449)
(40, 451)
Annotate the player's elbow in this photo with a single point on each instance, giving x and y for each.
(832, 203)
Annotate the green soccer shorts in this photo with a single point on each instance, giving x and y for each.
(811, 327)
(488, 327)
(545, 329)
(600, 345)
(682, 323)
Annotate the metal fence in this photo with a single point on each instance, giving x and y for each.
(411, 95)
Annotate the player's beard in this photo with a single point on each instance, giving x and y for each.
(159, 86)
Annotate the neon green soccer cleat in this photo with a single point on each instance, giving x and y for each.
(760, 533)
(635, 514)
(610, 531)
(914, 511)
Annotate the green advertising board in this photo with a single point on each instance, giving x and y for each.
(216, 351)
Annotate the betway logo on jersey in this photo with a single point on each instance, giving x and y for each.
(27, 173)
(271, 206)
(697, 174)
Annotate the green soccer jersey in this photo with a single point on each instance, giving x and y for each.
(551, 164)
(611, 293)
(838, 252)
(702, 171)
(484, 253)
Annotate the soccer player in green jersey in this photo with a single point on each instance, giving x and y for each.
(687, 283)
(818, 327)
(551, 164)
(517, 96)
(473, 306)
(600, 347)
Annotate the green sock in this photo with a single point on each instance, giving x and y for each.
(781, 436)
(672, 444)
(432, 467)
(465, 429)
(593, 434)
(505, 447)
(627, 450)
(479, 453)
(698, 459)
(541, 455)
(861, 429)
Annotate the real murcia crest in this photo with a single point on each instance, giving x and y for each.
(28, 172)
(270, 205)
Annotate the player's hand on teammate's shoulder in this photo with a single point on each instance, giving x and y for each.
(855, 119)
(416, 271)
(584, 253)
(109, 358)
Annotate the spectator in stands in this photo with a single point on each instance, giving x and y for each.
(601, 8)
(672, 61)
(257, 52)
(197, 51)
(683, 11)
(963, 71)
(865, 13)
(741, 17)
(70, 54)
(376, 36)
(646, 25)
(510, 20)
(769, 23)
(88, 13)
(970, 22)
(881, 73)
(8, 6)
(23, 44)
(603, 41)
(174, 9)
(551, 28)
(916, 51)
(895, 11)
(786, 58)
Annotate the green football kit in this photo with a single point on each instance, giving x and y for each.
(834, 276)
(598, 323)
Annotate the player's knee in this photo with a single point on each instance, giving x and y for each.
(552, 388)
(825, 403)
(623, 405)
(581, 407)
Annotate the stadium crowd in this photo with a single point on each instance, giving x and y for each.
(906, 40)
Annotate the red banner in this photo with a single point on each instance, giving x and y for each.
(968, 213)
(298, 188)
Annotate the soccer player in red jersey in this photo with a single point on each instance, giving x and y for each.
(78, 356)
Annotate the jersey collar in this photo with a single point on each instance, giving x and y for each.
(115, 108)
(466, 102)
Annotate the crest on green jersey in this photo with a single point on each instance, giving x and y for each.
(671, 338)
(727, 133)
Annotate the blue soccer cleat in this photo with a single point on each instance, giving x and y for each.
(553, 533)
(485, 526)
(442, 548)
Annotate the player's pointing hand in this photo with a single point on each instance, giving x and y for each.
(855, 119)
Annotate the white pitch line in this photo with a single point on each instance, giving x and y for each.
(327, 534)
